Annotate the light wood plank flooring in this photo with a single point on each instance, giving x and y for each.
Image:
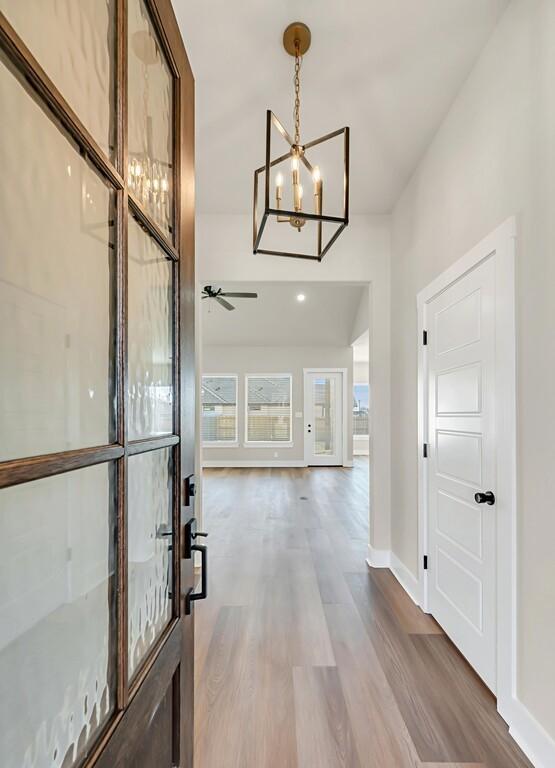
(307, 659)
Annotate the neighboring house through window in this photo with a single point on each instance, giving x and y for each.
(219, 409)
(268, 408)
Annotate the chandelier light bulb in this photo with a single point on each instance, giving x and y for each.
(316, 175)
(294, 163)
(279, 187)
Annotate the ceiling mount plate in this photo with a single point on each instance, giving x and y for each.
(296, 33)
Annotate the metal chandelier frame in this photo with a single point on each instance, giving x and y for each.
(341, 221)
(296, 40)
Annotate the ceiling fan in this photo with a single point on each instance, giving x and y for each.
(210, 292)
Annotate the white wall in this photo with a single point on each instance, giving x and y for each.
(244, 360)
(493, 157)
(360, 372)
(361, 254)
(361, 321)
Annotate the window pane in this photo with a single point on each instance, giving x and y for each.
(57, 616)
(360, 409)
(150, 118)
(150, 337)
(149, 510)
(219, 409)
(56, 287)
(323, 397)
(268, 408)
(74, 42)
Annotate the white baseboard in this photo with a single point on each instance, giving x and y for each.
(348, 463)
(385, 558)
(378, 558)
(361, 452)
(250, 463)
(531, 737)
(405, 578)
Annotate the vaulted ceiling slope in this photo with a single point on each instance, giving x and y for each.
(389, 69)
(278, 319)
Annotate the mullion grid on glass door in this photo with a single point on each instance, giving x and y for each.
(169, 247)
(22, 470)
(27, 469)
(121, 499)
(147, 444)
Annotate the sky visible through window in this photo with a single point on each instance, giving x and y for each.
(361, 395)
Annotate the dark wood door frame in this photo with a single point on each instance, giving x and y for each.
(171, 661)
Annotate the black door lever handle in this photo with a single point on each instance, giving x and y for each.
(485, 498)
(191, 595)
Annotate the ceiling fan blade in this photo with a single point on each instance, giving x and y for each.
(224, 303)
(240, 295)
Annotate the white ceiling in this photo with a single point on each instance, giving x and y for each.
(276, 318)
(387, 68)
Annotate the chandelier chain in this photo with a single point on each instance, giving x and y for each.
(297, 81)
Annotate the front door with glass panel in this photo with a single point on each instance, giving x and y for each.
(323, 397)
(96, 344)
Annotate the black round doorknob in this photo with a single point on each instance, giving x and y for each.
(484, 498)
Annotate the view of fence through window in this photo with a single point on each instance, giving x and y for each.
(360, 409)
(219, 409)
(268, 409)
(323, 416)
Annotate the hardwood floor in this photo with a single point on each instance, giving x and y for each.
(305, 658)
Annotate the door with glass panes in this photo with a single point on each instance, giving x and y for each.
(96, 385)
(323, 405)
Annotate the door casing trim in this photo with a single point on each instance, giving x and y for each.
(344, 432)
(500, 246)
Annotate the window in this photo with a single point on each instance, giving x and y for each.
(269, 408)
(219, 409)
(360, 409)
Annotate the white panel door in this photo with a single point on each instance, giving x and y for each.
(323, 395)
(461, 463)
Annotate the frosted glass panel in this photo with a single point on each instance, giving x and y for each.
(74, 42)
(57, 617)
(150, 337)
(56, 288)
(150, 118)
(150, 562)
(324, 416)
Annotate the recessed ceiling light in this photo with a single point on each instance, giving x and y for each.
(301, 297)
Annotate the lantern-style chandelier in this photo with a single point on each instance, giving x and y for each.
(286, 220)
